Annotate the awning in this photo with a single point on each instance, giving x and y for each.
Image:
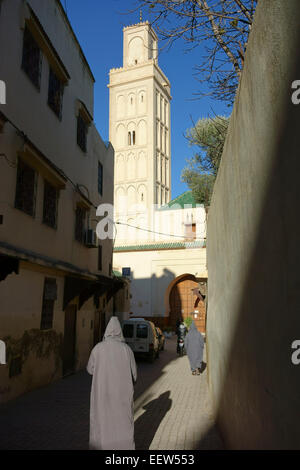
(84, 289)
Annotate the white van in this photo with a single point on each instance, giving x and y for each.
(141, 336)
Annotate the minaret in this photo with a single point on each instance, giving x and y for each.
(139, 128)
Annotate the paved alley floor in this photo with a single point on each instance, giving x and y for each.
(172, 410)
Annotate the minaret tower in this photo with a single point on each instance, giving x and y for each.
(139, 128)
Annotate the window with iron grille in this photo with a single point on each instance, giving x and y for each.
(25, 188)
(55, 93)
(80, 219)
(49, 297)
(31, 58)
(50, 205)
(100, 179)
(82, 129)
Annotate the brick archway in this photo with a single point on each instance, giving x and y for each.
(182, 300)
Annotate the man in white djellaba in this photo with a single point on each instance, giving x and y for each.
(113, 368)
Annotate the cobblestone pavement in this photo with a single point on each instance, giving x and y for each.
(172, 410)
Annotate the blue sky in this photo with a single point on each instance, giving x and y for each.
(98, 25)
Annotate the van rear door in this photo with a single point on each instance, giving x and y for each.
(142, 337)
(128, 333)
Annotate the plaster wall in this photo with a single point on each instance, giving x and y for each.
(253, 245)
(153, 271)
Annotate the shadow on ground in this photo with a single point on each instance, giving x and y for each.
(155, 411)
(149, 373)
(56, 417)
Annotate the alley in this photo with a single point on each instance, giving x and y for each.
(172, 410)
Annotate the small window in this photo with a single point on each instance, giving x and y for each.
(100, 179)
(82, 129)
(131, 138)
(55, 94)
(128, 331)
(141, 331)
(25, 188)
(49, 297)
(142, 98)
(190, 231)
(31, 58)
(80, 220)
(99, 258)
(50, 205)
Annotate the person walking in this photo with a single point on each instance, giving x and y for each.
(113, 368)
(181, 331)
(194, 344)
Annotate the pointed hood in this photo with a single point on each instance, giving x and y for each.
(193, 326)
(114, 330)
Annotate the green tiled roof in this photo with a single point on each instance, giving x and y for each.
(117, 274)
(186, 198)
(161, 246)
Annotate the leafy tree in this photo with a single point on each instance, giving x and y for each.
(221, 26)
(209, 135)
(188, 321)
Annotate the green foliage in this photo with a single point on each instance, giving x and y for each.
(208, 134)
(219, 29)
(188, 321)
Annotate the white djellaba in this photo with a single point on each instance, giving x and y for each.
(113, 368)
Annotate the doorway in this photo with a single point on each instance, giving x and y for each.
(183, 302)
(99, 326)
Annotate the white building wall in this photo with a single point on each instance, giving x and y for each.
(153, 271)
(134, 89)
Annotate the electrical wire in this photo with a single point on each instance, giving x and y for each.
(76, 187)
(153, 231)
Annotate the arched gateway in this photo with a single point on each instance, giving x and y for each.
(184, 301)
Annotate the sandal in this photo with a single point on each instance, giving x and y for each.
(193, 372)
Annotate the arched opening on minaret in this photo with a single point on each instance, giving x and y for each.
(131, 138)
